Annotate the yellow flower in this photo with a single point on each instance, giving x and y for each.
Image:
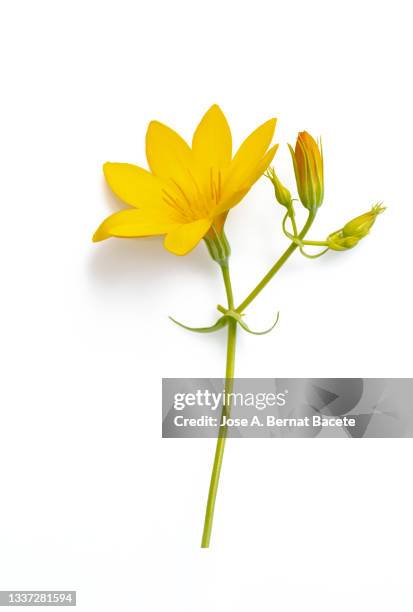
(188, 191)
(309, 170)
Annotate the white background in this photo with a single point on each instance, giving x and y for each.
(91, 498)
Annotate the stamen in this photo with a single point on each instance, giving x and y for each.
(211, 181)
(184, 195)
(215, 186)
(173, 203)
(201, 198)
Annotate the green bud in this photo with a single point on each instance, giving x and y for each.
(338, 242)
(282, 194)
(360, 226)
(354, 230)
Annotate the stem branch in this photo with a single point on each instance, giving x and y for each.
(278, 264)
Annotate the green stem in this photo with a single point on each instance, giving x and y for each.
(229, 374)
(228, 286)
(315, 243)
(278, 264)
(293, 223)
(226, 409)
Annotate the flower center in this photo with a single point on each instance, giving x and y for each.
(194, 202)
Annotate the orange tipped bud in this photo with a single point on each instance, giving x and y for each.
(309, 170)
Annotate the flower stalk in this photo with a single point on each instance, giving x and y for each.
(222, 436)
(226, 410)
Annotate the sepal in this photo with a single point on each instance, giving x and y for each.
(203, 330)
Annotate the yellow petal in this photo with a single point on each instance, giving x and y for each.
(248, 156)
(182, 239)
(132, 223)
(133, 185)
(262, 166)
(212, 141)
(255, 173)
(169, 157)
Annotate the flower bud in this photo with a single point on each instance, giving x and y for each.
(309, 170)
(282, 194)
(360, 226)
(354, 230)
(338, 242)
